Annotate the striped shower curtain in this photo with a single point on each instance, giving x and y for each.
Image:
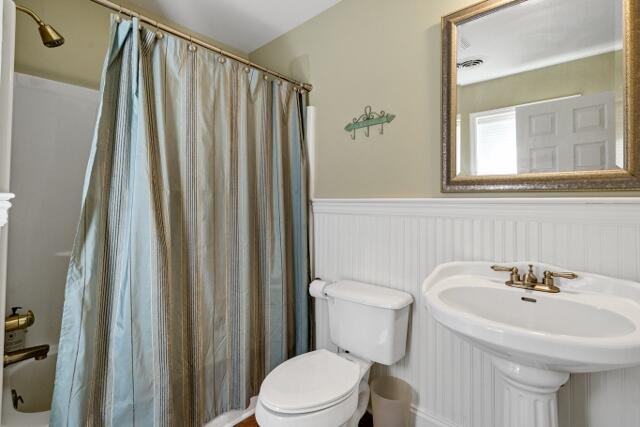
(187, 282)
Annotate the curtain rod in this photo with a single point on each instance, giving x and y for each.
(124, 11)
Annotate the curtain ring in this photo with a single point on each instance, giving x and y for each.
(192, 47)
(119, 15)
(159, 34)
(137, 15)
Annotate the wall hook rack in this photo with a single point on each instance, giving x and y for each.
(367, 119)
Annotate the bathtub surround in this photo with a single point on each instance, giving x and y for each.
(49, 158)
(397, 243)
(4, 208)
(33, 381)
(189, 271)
(7, 46)
(5, 204)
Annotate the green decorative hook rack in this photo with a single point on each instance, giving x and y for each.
(367, 119)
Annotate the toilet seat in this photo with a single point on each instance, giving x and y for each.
(333, 416)
(310, 382)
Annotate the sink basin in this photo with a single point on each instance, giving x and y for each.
(539, 314)
(570, 331)
(535, 338)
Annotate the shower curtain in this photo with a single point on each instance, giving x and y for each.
(187, 282)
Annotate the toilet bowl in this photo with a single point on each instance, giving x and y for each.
(326, 389)
(319, 388)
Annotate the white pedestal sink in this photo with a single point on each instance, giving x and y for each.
(537, 339)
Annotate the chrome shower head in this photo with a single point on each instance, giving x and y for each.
(50, 37)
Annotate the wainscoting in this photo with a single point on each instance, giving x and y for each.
(397, 243)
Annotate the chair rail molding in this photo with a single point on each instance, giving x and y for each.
(398, 242)
(4, 207)
(553, 209)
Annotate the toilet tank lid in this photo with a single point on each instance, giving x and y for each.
(367, 294)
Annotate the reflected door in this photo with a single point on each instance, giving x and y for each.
(572, 134)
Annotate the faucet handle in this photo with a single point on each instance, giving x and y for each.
(549, 275)
(515, 277)
(562, 274)
(504, 268)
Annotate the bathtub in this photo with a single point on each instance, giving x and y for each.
(33, 381)
(231, 418)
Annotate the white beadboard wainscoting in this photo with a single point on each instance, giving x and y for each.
(397, 243)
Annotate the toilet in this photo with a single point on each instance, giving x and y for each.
(321, 388)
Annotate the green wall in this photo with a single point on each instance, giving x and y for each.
(380, 53)
(359, 52)
(85, 26)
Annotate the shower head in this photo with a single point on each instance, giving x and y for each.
(50, 37)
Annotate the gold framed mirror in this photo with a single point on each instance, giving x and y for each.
(541, 95)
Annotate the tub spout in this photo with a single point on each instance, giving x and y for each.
(37, 352)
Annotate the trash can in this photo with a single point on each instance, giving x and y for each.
(390, 402)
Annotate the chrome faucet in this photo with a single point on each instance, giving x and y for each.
(530, 281)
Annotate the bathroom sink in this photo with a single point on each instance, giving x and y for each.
(536, 339)
(570, 331)
(544, 314)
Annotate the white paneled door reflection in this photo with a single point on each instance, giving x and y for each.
(572, 134)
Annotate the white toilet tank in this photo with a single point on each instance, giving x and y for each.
(369, 321)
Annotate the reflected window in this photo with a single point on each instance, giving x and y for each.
(494, 138)
(493, 135)
(458, 144)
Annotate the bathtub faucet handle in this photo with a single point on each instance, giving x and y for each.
(18, 321)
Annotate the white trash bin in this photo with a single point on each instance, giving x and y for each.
(390, 402)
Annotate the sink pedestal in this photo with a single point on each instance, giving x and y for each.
(537, 338)
(529, 394)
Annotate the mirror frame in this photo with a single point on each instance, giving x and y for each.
(607, 180)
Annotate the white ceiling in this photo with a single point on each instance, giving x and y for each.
(536, 34)
(242, 24)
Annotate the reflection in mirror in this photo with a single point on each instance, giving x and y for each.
(540, 89)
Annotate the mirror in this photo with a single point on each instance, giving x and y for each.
(536, 95)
